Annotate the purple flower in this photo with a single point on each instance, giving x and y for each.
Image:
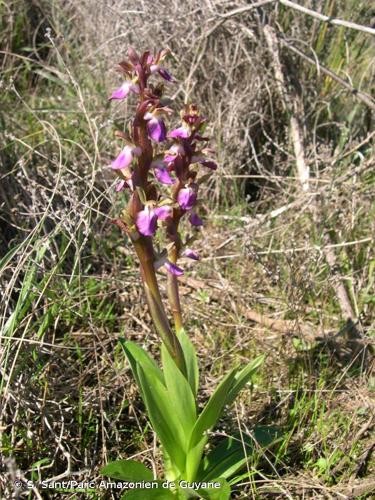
(173, 269)
(161, 172)
(155, 127)
(162, 72)
(203, 161)
(124, 90)
(191, 254)
(186, 198)
(163, 212)
(125, 158)
(163, 176)
(182, 132)
(195, 220)
(174, 151)
(146, 222)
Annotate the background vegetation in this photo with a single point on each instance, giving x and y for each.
(286, 271)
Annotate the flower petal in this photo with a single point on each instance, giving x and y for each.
(165, 74)
(156, 129)
(195, 220)
(204, 161)
(191, 254)
(181, 132)
(163, 212)
(122, 91)
(186, 198)
(173, 269)
(146, 222)
(124, 159)
(163, 176)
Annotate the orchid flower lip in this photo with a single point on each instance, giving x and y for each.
(181, 132)
(186, 198)
(156, 129)
(146, 221)
(163, 176)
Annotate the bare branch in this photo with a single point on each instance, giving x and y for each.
(328, 19)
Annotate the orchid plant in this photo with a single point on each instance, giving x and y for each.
(162, 172)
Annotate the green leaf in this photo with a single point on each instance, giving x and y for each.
(243, 377)
(222, 493)
(213, 409)
(162, 414)
(206, 420)
(194, 457)
(232, 453)
(127, 470)
(136, 355)
(180, 393)
(191, 361)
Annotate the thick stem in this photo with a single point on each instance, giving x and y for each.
(159, 317)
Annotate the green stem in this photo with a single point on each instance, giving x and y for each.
(158, 314)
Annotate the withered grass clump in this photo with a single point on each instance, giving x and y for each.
(288, 269)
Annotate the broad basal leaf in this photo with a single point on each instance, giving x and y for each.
(136, 355)
(180, 393)
(163, 417)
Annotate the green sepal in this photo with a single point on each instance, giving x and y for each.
(127, 470)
